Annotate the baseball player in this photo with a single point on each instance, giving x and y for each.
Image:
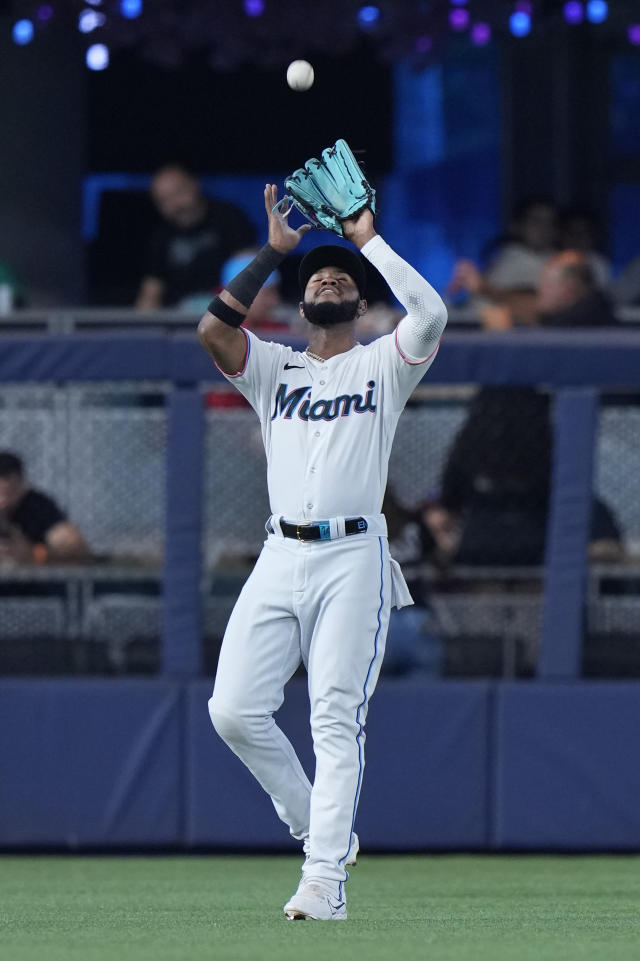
(324, 584)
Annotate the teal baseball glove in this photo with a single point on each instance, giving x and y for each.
(330, 190)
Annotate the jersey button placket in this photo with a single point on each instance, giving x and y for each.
(310, 486)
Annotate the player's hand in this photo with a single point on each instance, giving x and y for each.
(359, 228)
(282, 237)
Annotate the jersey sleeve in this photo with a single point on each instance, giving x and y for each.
(401, 373)
(262, 364)
(407, 353)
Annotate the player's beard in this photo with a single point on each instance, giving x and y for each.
(329, 314)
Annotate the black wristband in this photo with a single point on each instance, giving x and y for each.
(229, 315)
(245, 286)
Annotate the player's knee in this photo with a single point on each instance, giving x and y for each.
(227, 722)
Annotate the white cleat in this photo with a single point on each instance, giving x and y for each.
(312, 903)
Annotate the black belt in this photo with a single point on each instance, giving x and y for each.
(321, 530)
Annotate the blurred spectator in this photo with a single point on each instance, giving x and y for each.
(494, 489)
(33, 529)
(516, 262)
(496, 485)
(626, 289)
(566, 296)
(188, 249)
(496, 482)
(413, 645)
(578, 230)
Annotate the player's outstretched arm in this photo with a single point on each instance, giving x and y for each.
(219, 330)
(420, 331)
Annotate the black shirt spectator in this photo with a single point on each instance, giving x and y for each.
(188, 259)
(190, 246)
(35, 514)
(32, 526)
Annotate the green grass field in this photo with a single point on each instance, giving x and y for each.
(445, 908)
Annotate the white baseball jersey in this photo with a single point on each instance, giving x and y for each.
(328, 427)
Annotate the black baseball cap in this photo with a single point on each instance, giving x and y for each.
(331, 255)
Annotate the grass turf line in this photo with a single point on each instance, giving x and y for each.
(446, 908)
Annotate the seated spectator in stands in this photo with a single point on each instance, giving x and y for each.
(626, 289)
(33, 529)
(188, 249)
(567, 296)
(496, 483)
(515, 265)
(578, 230)
(495, 486)
(413, 645)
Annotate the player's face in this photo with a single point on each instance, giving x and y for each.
(331, 297)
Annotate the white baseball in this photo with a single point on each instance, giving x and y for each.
(300, 75)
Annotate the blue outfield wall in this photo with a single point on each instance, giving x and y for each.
(450, 766)
(91, 762)
(567, 766)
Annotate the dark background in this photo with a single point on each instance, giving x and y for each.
(452, 144)
(141, 115)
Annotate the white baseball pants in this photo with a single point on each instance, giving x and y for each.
(327, 604)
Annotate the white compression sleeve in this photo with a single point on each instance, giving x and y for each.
(420, 331)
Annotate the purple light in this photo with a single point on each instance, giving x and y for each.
(254, 8)
(458, 3)
(423, 44)
(480, 34)
(573, 12)
(634, 34)
(459, 19)
(44, 13)
(524, 6)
